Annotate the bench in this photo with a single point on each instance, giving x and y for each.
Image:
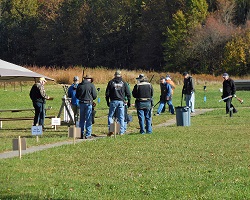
(20, 118)
(242, 84)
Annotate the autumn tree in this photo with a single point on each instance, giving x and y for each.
(237, 55)
(184, 21)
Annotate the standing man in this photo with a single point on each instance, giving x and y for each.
(116, 92)
(38, 97)
(188, 90)
(74, 101)
(143, 92)
(229, 89)
(86, 93)
(166, 96)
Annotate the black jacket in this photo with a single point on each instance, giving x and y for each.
(117, 90)
(188, 86)
(143, 91)
(86, 91)
(37, 93)
(229, 88)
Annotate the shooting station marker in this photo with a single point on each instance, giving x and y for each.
(19, 144)
(74, 132)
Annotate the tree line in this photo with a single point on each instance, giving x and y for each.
(199, 36)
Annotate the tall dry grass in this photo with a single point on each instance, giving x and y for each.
(103, 75)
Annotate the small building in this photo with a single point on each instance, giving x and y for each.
(242, 84)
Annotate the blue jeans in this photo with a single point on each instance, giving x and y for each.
(145, 115)
(117, 107)
(39, 113)
(162, 104)
(86, 119)
(171, 107)
(190, 99)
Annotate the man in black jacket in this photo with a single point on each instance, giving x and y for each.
(143, 93)
(188, 90)
(38, 97)
(229, 89)
(86, 93)
(116, 92)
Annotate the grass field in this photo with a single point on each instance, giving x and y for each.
(208, 160)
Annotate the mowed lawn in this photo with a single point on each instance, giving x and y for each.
(208, 160)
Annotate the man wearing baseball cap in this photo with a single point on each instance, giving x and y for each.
(74, 101)
(229, 89)
(38, 97)
(188, 90)
(117, 91)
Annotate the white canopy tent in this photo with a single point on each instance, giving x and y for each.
(13, 73)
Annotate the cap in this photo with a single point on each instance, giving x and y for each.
(76, 78)
(168, 77)
(118, 73)
(42, 79)
(225, 75)
(141, 76)
(185, 73)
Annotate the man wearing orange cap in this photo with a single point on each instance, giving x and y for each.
(38, 97)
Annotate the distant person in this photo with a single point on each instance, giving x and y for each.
(86, 93)
(74, 101)
(166, 96)
(229, 89)
(143, 93)
(116, 92)
(188, 90)
(173, 86)
(38, 97)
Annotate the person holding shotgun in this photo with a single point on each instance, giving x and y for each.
(229, 89)
(188, 90)
(166, 96)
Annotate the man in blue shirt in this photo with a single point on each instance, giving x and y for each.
(74, 101)
(166, 96)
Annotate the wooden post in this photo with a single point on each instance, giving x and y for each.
(115, 127)
(20, 147)
(37, 138)
(74, 134)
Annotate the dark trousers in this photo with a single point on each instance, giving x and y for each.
(229, 105)
(39, 113)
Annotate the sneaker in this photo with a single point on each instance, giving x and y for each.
(156, 114)
(235, 111)
(110, 133)
(89, 137)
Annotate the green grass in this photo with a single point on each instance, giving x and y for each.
(208, 160)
